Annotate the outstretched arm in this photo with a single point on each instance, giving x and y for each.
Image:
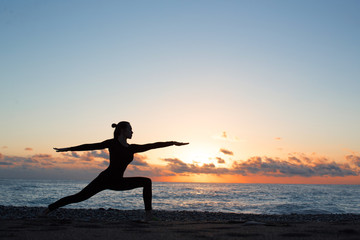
(149, 146)
(85, 147)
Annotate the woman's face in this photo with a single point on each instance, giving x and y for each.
(127, 132)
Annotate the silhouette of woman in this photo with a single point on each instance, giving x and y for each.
(121, 155)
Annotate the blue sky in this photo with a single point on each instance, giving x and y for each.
(188, 70)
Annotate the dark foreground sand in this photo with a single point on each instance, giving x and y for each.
(23, 223)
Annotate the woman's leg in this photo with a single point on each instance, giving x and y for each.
(136, 182)
(97, 185)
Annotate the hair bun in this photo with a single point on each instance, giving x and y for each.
(114, 125)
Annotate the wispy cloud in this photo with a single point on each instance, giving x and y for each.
(226, 152)
(42, 156)
(71, 154)
(220, 160)
(149, 171)
(100, 154)
(88, 156)
(28, 149)
(139, 160)
(224, 136)
(6, 163)
(354, 159)
(177, 166)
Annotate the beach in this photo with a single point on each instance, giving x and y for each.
(24, 223)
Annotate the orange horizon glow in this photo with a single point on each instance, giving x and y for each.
(215, 162)
(87, 165)
(353, 180)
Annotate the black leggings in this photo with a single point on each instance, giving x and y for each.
(105, 180)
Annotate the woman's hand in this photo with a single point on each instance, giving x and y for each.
(180, 143)
(61, 149)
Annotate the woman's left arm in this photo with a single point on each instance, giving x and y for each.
(145, 147)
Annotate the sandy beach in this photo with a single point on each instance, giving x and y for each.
(24, 223)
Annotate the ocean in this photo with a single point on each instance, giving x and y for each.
(211, 197)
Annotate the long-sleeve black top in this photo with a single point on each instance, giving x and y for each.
(120, 156)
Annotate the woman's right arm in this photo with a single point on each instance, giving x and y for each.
(85, 147)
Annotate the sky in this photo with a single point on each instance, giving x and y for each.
(264, 91)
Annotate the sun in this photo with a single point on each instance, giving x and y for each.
(199, 156)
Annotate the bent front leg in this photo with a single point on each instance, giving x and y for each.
(136, 182)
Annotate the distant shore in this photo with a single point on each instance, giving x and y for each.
(66, 223)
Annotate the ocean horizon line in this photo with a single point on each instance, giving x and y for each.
(245, 183)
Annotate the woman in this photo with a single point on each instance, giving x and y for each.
(121, 154)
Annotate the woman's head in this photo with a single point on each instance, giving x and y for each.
(122, 128)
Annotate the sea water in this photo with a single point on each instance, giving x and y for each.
(212, 197)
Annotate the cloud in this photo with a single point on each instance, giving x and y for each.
(224, 136)
(139, 160)
(278, 138)
(4, 147)
(103, 155)
(48, 173)
(47, 164)
(296, 164)
(293, 167)
(295, 160)
(100, 154)
(70, 166)
(88, 156)
(226, 152)
(42, 156)
(30, 160)
(104, 164)
(302, 165)
(177, 166)
(28, 149)
(6, 163)
(40, 160)
(71, 154)
(220, 160)
(149, 171)
(353, 159)
(15, 161)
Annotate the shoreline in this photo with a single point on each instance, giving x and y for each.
(111, 215)
(17, 223)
